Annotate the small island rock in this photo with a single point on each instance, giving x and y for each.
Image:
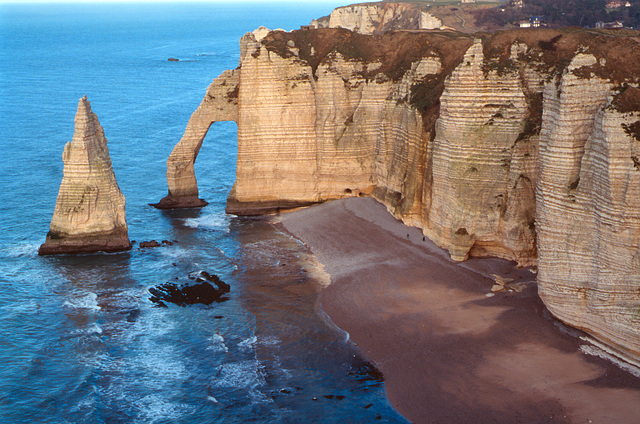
(90, 210)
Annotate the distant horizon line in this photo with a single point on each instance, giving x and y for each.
(25, 2)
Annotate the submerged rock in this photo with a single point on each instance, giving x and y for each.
(154, 243)
(213, 279)
(90, 210)
(184, 295)
(151, 243)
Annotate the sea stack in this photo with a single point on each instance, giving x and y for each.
(90, 209)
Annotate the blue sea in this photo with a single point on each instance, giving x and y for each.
(80, 341)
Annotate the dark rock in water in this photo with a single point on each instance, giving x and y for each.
(203, 293)
(173, 59)
(151, 243)
(364, 370)
(133, 315)
(212, 278)
(170, 202)
(185, 295)
(167, 242)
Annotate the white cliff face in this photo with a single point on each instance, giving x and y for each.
(475, 204)
(276, 130)
(90, 210)
(303, 136)
(589, 211)
(377, 18)
(359, 18)
(402, 147)
(502, 154)
(348, 110)
(428, 21)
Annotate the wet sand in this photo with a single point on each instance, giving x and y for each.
(449, 353)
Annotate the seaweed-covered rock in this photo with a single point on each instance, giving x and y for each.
(189, 294)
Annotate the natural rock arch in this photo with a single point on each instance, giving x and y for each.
(219, 104)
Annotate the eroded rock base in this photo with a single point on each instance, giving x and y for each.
(72, 245)
(170, 202)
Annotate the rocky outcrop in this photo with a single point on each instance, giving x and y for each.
(428, 21)
(90, 211)
(190, 294)
(521, 145)
(378, 18)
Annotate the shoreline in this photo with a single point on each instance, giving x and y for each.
(449, 350)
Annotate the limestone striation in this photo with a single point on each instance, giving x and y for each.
(90, 210)
(482, 176)
(589, 207)
(520, 144)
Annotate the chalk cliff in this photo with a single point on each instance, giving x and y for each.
(521, 145)
(377, 18)
(589, 207)
(220, 103)
(90, 210)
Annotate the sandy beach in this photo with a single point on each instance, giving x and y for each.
(450, 353)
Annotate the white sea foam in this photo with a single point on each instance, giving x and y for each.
(331, 324)
(598, 349)
(166, 366)
(248, 343)
(175, 252)
(156, 408)
(93, 329)
(21, 249)
(29, 307)
(258, 397)
(243, 374)
(210, 222)
(217, 344)
(86, 300)
(269, 341)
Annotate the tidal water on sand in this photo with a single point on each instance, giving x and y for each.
(80, 339)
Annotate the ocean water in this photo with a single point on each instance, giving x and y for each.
(80, 341)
